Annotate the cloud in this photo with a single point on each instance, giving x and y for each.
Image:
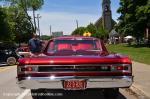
(62, 15)
(62, 21)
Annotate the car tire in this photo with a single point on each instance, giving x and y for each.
(111, 93)
(11, 60)
(37, 93)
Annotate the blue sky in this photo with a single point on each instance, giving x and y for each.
(61, 14)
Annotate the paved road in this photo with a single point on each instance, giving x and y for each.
(10, 90)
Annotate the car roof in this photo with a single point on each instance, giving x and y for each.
(74, 38)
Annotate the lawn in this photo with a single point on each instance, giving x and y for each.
(139, 54)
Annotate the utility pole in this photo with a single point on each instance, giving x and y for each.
(77, 23)
(38, 17)
(50, 30)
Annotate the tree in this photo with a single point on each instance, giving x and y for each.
(99, 33)
(26, 5)
(92, 29)
(23, 6)
(46, 37)
(134, 17)
(34, 5)
(127, 19)
(19, 23)
(143, 16)
(79, 31)
(102, 33)
(23, 28)
(4, 27)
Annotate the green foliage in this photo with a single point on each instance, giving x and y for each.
(28, 4)
(17, 23)
(102, 33)
(35, 4)
(23, 29)
(31, 5)
(134, 18)
(25, 6)
(99, 33)
(79, 31)
(45, 37)
(92, 29)
(4, 27)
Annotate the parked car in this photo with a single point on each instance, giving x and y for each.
(8, 54)
(75, 63)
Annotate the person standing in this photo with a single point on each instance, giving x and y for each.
(35, 44)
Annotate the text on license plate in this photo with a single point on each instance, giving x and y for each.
(74, 84)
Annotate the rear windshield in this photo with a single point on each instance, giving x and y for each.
(58, 45)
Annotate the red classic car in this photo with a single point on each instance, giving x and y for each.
(75, 63)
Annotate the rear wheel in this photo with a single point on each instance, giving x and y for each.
(111, 93)
(11, 60)
(38, 93)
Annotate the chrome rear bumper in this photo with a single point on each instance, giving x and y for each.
(92, 82)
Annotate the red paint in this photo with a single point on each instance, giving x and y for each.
(60, 60)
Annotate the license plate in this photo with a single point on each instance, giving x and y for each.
(74, 84)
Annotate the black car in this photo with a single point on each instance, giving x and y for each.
(8, 54)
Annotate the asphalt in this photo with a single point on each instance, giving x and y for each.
(10, 90)
(141, 85)
(8, 86)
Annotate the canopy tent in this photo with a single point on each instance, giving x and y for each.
(113, 33)
(128, 37)
(113, 37)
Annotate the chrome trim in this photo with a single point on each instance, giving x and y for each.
(26, 72)
(80, 65)
(92, 82)
(74, 66)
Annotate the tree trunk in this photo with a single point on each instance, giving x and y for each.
(34, 21)
(28, 17)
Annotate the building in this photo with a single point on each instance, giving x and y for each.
(106, 20)
(57, 34)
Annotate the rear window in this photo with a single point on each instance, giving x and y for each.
(58, 45)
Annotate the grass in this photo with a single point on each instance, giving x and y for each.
(139, 54)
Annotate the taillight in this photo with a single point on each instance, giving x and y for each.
(27, 69)
(121, 67)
